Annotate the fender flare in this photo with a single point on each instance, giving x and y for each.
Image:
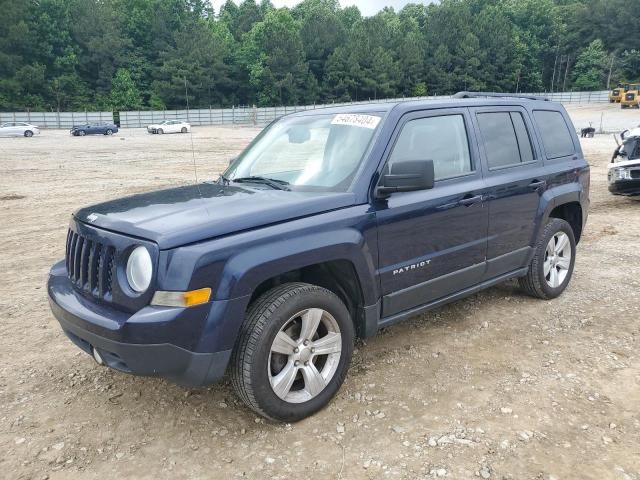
(552, 198)
(246, 270)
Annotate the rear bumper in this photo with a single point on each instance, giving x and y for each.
(120, 338)
(625, 187)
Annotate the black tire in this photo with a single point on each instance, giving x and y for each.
(109, 132)
(535, 283)
(183, 129)
(266, 316)
(28, 133)
(82, 133)
(160, 131)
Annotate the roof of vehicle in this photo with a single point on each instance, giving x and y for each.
(477, 100)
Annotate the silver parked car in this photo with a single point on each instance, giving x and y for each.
(18, 129)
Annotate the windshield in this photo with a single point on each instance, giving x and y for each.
(314, 152)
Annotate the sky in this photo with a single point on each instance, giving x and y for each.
(367, 7)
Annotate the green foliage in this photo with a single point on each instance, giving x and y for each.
(124, 93)
(590, 69)
(89, 54)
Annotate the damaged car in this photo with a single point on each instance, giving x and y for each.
(624, 169)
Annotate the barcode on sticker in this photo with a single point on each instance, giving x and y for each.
(356, 120)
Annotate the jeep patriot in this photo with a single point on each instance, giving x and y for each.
(332, 224)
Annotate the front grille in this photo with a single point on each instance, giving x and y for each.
(90, 265)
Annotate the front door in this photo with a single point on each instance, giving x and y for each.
(433, 243)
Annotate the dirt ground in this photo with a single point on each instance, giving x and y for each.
(497, 386)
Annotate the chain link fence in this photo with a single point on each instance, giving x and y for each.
(245, 115)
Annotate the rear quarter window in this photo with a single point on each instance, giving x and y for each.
(556, 136)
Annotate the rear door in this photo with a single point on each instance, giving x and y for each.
(20, 128)
(515, 179)
(432, 243)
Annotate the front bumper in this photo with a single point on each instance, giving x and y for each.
(625, 187)
(120, 338)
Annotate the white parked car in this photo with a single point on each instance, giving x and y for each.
(18, 129)
(170, 126)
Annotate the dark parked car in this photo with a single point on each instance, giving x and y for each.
(331, 224)
(94, 129)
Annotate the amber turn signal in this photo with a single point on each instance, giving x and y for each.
(182, 299)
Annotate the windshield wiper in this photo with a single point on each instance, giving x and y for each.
(272, 182)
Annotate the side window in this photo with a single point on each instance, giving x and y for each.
(556, 137)
(442, 139)
(506, 139)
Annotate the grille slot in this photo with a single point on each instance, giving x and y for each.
(90, 265)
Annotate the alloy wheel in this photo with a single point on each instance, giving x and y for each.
(557, 259)
(304, 355)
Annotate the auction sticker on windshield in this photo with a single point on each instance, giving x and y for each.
(356, 120)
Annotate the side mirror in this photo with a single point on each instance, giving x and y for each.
(407, 176)
(624, 134)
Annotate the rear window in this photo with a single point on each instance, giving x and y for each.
(506, 139)
(556, 135)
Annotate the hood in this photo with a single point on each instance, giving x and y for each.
(189, 214)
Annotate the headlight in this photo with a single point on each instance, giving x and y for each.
(139, 269)
(621, 174)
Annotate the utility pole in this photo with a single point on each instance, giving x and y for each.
(555, 63)
(566, 72)
(610, 71)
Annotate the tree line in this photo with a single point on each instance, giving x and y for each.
(157, 54)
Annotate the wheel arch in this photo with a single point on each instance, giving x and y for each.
(338, 260)
(571, 212)
(338, 276)
(565, 202)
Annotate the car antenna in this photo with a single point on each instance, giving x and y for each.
(193, 152)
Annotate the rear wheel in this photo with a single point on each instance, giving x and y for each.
(293, 351)
(552, 265)
(28, 133)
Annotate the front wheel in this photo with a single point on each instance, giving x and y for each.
(82, 133)
(184, 130)
(160, 131)
(293, 351)
(109, 132)
(552, 265)
(28, 133)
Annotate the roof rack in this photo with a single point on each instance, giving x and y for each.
(499, 95)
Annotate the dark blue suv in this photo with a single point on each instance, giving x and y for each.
(332, 224)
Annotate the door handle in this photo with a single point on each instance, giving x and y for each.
(536, 184)
(467, 200)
